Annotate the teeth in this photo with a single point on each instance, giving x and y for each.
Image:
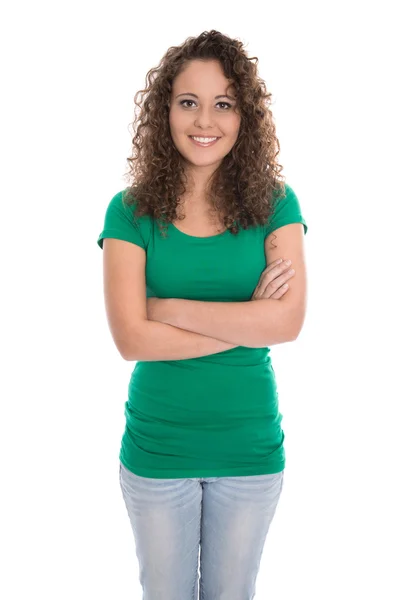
(203, 140)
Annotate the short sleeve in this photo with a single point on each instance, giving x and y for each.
(286, 210)
(119, 223)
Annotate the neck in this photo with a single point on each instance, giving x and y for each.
(198, 180)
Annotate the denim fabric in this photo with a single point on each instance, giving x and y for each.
(200, 538)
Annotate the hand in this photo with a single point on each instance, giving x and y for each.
(271, 281)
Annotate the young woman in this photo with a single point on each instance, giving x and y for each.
(195, 265)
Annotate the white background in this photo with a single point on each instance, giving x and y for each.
(69, 74)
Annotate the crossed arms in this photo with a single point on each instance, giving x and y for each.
(255, 323)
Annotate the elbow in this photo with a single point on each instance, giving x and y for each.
(125, 352)
(130, 355)
(127, 356)
(131, 343)
(128, 349)
(129, 352)
(295, 322)
(294, 337)
(296, 330)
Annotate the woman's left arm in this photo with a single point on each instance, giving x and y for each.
(256, 323)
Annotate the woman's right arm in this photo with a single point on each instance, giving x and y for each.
(136, 337)
(157, 341)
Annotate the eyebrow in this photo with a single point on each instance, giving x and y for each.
(194, 96)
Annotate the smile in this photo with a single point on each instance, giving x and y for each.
(204, 142)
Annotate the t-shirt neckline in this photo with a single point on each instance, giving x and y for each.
(197, 238)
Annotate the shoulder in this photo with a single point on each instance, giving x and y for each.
(124, 205)
(123, 201)
(286, 209)
(287, 195)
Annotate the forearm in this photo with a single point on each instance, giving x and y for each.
(159, 341)
(255, 324)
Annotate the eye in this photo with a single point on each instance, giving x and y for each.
(226, 104)
(182, 103)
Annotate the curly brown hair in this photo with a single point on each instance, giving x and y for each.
(242, 188)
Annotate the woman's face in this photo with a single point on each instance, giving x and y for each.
(200, 107)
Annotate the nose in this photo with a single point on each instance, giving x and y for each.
(203, 119)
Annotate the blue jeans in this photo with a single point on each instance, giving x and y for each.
(224, 519)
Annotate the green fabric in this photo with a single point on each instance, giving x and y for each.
(212, 416)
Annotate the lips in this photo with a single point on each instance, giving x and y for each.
(204, 145)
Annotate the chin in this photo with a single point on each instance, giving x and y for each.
(205, 163)
(196, 159)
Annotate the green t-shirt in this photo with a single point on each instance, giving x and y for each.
(212, 416)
